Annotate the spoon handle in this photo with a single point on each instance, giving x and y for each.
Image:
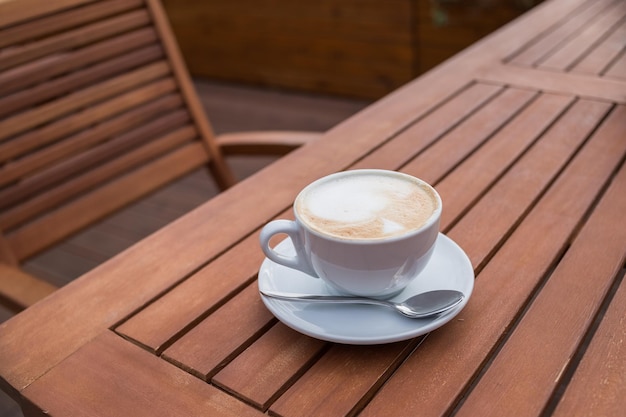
(323, 298)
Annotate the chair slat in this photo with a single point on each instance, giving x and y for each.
(52, 198)
(78, 79)
(72, 102)
(50, 66)
(26, 167)
(54, 131)
(93, 206)
(150, 114)
(73, 39)
(64, 20)
(13, 12)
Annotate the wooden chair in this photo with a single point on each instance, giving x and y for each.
(96, 111)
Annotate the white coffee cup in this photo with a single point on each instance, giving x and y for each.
(364, 232)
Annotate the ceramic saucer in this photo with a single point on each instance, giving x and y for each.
(449, 268)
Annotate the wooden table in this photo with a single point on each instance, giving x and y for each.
(523, 135)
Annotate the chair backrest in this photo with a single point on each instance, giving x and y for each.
(96, 110)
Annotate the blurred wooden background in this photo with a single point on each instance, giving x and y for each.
(358, 48)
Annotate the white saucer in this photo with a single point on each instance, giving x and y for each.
(449, 268)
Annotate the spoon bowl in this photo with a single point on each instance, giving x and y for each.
(426, 304)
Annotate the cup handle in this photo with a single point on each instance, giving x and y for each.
(290, 228)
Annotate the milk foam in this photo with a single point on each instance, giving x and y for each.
(366, 206)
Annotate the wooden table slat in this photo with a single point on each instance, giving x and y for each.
(192, 299)
(565, 27)
(448, 360)
(423, 132)
(570, 51)
(602, 55)
(597, 386)
(269, 365)
(477, 173)
(491, 220)
(530, 366)
(342, 381)
(95, 382)
(618, 67)
(216, 340)
(448, 152)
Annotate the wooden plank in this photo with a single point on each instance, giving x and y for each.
(617, 68)
(93, 74)
(557, 82)
(216, 340)
(38, 234)
(525, 373)
(49, 24)
(95, 381)
(46, 68)
(72, 39)
(506, 203)
(64, 193)
(83, 119)
(450, 358)
(203, 292)
(13, 12)
(477, 173)
(424, 132)
(20, 289)
(263, 370)
(444, 155)
(603, 54)
(116, 126)
(597, 387)
(548, 41)
(65, 105)
(342, 380)
(575, 47)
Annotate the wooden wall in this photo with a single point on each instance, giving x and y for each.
(358, 48)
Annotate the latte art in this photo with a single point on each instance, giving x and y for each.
(366, 206)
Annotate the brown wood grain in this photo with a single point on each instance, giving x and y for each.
(54, 198)
(199, 294)
(60, 85)
(39, 234)
(268, 366)
(342, 380)
(573, 49)
(459, 143)
(450, 358)
(19, 288)
(476, 174)
(62, 21)
(216, 340)
(539, 350)
(427, 129)
(565, 26)
(598, 382)
(600, 57)
(94, 381)
(73, 38)
(506, 203)
(32, 73)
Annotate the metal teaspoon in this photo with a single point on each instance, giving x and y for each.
(421, 305)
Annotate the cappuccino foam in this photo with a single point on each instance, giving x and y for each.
(366, 206)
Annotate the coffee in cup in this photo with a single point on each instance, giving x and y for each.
(364, 232)
(366, 206)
